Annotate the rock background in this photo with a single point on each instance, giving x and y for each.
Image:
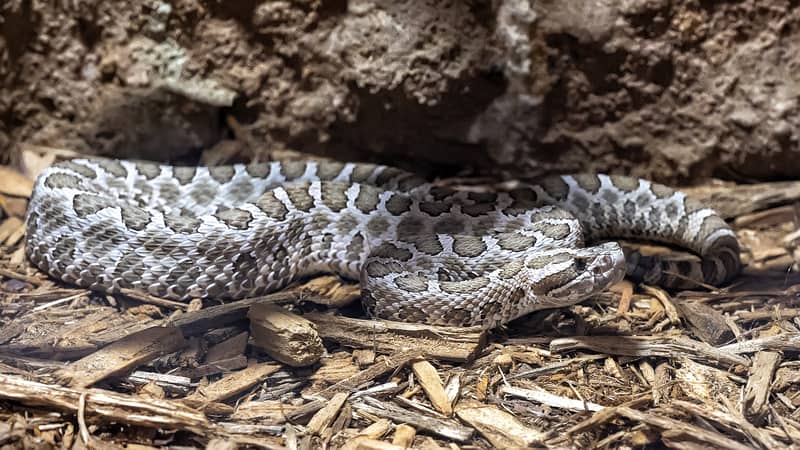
(675, 91)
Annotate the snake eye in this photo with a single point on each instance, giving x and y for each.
(580, 265)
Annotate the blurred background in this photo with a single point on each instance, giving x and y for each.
(673, 91)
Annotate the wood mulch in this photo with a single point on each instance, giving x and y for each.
(305, 368)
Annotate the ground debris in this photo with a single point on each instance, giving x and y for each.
(286, 337)
(634, 367)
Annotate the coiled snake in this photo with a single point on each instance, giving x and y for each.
(422, 253)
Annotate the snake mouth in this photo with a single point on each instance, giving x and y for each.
(596, 268)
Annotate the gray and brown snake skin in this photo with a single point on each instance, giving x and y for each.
(422, 253)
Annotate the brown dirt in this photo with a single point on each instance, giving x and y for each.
(673, 91)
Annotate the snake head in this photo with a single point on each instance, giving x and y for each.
(564, 277)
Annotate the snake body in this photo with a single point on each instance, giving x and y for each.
(422, 253)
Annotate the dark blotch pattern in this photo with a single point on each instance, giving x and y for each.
(398, 204)
(258, 170)
(429, 245)
(580, 201)
(327, 171)
(523, 200)
(271, 206)
(86, 204)
(691, 205)
(482, 197)
(235, 218)
(299, 196)
(377, 269)
(148, 170)
(62, 180)
(169, 192)
(610, 196)
(241, 189)
(84, 171)
(203, 193)
(671, 211)
(556, 187)
(409, 182)
(293, 170)
(367, 199)
(334, 195)
(440, 193)
(511, 269)
(361, 173)
(102, 235)
(547, 284)
(555, 231)
(389, 250)
(182, 224)
(434, 208)
(661, 191)
(449, 226)
(468, 246)
(184, 175)
(515, 242)
(480, 209)
(355, 247)
(464, 287)
(542, 261)
(222, 174)
(387, 176)
(134, 217)
(409, 228)
(113, 167)
(588, 182)
(377, 225)
(627, 184)
(412, 283)
(346, 223)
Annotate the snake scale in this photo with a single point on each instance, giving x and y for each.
(423, 253)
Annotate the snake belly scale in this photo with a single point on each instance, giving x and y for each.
(422, 253)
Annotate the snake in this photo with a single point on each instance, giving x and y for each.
(422, 252)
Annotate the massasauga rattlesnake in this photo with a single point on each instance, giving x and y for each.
(422, 253)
